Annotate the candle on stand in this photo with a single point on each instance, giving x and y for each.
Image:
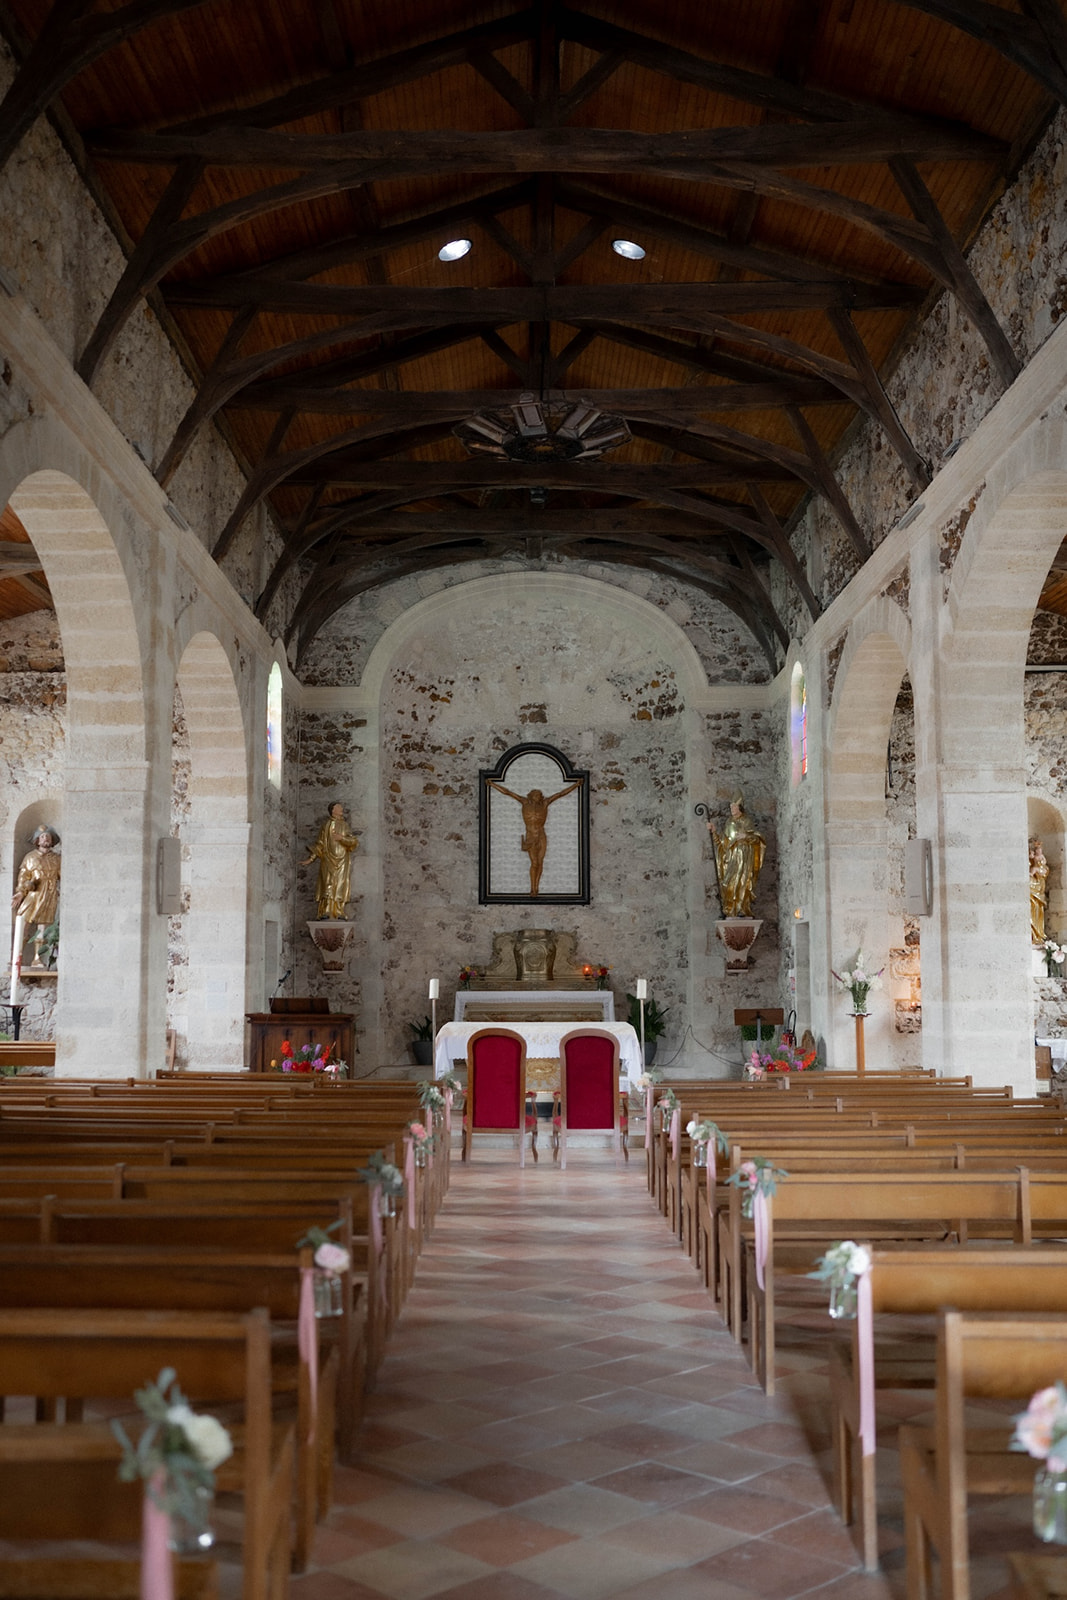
(642, 989)
(435, 989)
(16, 958)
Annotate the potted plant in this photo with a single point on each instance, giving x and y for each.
(655, 1023)
(422, 1043)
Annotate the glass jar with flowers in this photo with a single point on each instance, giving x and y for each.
(465, 976)
(175, 1456)
(386, 1178)
(421, 1141)
(758, 1176)
(859, 983)
(841, 1267)
(704, 1134)
(332, 1261)
(1041, 1430)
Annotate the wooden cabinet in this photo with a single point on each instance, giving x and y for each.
(310, 1024)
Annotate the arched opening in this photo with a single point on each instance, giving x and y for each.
(93, 760)
(865, 708)
(207, 970)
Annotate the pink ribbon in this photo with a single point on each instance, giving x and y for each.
(865, 1350)
(448, 1110)
(157, 1570)
(377, 1238)
(676, 1131)
(409, 1176)
(759, 1224)
(307, 1341)
(649, 1104)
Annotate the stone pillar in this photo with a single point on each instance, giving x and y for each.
(107, 1008)
(216, 934)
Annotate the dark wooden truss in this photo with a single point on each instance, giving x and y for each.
(340, 382)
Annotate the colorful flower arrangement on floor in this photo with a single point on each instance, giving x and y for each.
(309, 1058)
(786, 1058)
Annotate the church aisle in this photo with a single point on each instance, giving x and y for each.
(560, 1413)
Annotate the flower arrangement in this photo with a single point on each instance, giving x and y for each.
(421, 1141)
(758, 1176)
(333, 1259)
(382, 1172)
(1041, 1430)
(1055, 955)
(840, 1267)
(601, 976)
(668, 1104)
(708, 1132)
(859, 982)
(176, 1455)
(787, 1058)
(465, 976)
(448, 1080)
(431, 1097)
(310, 1058)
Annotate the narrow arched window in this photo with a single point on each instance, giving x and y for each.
(798, 723)
(274, 726)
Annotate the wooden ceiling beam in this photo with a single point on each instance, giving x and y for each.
(779, 542)
(72, 38)
(378, 156)
(827, 484)
(303, 391)
(506, 85)
(547, 302)
(479, 522)
(771, 93)
(880, 406)
(373, 77)
(1037, 42)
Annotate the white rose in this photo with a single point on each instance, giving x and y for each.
(208, 1440)
(859, 1260)
(332, 1258)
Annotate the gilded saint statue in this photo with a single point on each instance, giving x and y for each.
(36, 897)
(333, 851)
(1038, 891)
(534, 814)
(739, 851)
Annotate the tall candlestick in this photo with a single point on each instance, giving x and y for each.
(435, 989)
(16, 957)
(641, 992)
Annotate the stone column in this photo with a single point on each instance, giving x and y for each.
(216, 935)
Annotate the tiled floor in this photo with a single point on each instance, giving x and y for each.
(561, 1413)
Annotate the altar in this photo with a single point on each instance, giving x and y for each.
(542, 1048)
(541, 1005)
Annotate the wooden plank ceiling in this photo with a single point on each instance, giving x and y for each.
(802, 176)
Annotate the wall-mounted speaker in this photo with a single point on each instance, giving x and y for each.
(169, 877)
(918, 878)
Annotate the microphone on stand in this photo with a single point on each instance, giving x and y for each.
(283, 980)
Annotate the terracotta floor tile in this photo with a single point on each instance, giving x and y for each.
(655, 1482)
(593, 1570)
(583, 1508)
(745, 1510)
(500, 1586)
(413, 1570)
(769, 1570)
(579, 1460)
(347, 1538)
(674, 1533)
(505, 1483)
(330, 1586)
(505, 1539)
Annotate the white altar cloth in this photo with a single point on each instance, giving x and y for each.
(542, 1039)
(535, 997)
(1059, 1052)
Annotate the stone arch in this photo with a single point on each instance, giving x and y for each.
(626, 616)
(977, 798)
(873, 664)
(214, 830)
(106, 1012)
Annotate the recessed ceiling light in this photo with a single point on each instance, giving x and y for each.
(455, 249)
(627, 248)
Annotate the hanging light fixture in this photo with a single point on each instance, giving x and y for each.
(542, 430)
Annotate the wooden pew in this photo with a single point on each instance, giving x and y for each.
(918, 1281)
(220, 1360)
(59, 1486)
(998, 1356)
(88, 1277)
(812, 1210)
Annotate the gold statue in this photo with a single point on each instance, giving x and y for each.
(36, 896)
(739, 852)
(333, 850)
(1038, 891)
(534, 813)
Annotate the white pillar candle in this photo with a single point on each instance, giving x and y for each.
(435, 988)
(641, 992)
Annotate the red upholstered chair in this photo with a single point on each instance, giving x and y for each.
(589, 1086)
(496, 1087)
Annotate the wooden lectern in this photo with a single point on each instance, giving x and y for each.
(305, 1020)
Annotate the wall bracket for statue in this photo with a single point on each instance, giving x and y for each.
(738, 935)
(332, 940)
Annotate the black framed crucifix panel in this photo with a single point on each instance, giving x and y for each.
(533, 829)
